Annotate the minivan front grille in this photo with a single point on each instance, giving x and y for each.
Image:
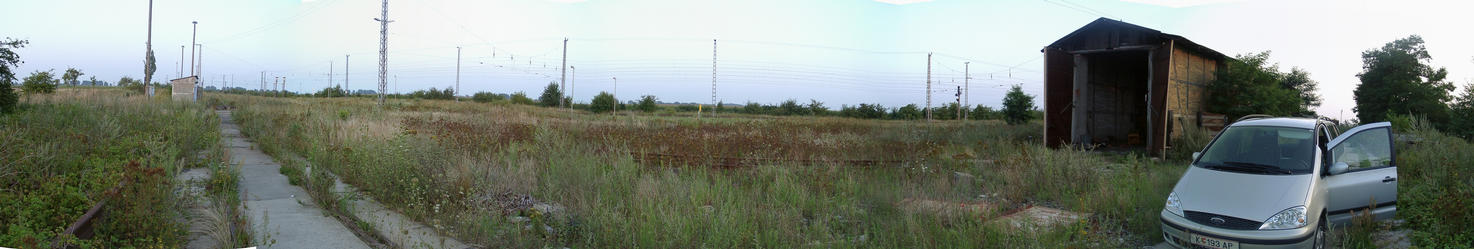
(1228, 221)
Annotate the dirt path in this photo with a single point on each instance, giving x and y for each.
(282, 215)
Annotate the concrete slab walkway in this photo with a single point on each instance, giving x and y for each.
(281, 215)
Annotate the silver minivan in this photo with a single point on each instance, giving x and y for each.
(1279, 183)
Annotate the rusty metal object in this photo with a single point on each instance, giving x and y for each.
(82, 228)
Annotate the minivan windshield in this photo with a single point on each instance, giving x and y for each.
(1261, 150)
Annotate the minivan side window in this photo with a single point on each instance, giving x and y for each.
(1366, 149)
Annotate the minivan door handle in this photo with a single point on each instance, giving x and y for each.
(1389, 179)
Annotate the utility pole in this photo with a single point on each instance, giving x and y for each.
(330, 73)
(345, 76)
(263, 82)
(713, 75)
(200, 65)
(192, 44)
(383, 50)
(571, 80)
(562, 88)
(959, 102)
(148, 46)
(928, 86)
(181, 61)
(458, 74)
(966, 87)
(616, 96)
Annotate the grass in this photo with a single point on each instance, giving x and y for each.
(1435, 191)
(464, 167)
(62, 152)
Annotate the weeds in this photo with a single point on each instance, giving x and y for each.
(64, 150)
(516, 176)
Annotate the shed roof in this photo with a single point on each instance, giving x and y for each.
(1103, 23)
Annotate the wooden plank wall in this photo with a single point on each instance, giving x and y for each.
(1190, 75)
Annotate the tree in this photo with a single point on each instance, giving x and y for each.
(817, 108)
(790, 107)
(1017, 106)
(907, 112)
(71, 75)
(432, 93)
(92, 80)
(603, 102)
(1250, 85)
(1462, 120)
(550, 96)
(149, 65)
(486, 97)
(330, 92)
(40, 82)
(1298, 80)
(982, 112)
(9, 60)
(521, 98)
(647, 103)
(871, 111)
(131, 84)
(752, 108)
(1396, 79)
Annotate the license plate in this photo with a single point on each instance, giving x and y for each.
(1213, 242)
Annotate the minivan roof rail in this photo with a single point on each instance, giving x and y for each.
(1252, 116)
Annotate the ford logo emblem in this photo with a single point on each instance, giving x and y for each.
(1217, 220)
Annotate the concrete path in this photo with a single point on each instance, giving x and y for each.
(282, 215)
(393, 226)
(191, 187)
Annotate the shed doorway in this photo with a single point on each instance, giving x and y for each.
(1112, 90)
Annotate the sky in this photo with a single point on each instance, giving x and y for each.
(766, 51)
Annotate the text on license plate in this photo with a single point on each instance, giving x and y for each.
(1213, 242)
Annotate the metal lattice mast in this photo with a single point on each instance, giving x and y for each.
(383, 50)
(928, 86)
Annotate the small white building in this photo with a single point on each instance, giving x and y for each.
(184, 88)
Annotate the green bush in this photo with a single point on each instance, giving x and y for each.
(908, 112)
(647, 103)
(521, 98)
(1017, 106)
(1434, 191)
(40, 82)
(486, 97)
(74, 151)
(550, 96)
(604, 102)
(1192, 139)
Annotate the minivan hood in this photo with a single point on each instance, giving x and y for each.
(1246, 196)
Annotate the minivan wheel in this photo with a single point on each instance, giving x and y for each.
(1320, 235)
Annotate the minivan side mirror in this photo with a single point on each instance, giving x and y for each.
(1196, 155)
(1338, 168)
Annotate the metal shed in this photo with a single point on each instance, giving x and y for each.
(1116, 85)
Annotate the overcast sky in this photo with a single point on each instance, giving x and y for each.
(837, 52)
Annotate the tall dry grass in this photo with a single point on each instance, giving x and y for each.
(468, 167)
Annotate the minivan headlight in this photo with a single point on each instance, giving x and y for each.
(1174, 205)
(1288, 219)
